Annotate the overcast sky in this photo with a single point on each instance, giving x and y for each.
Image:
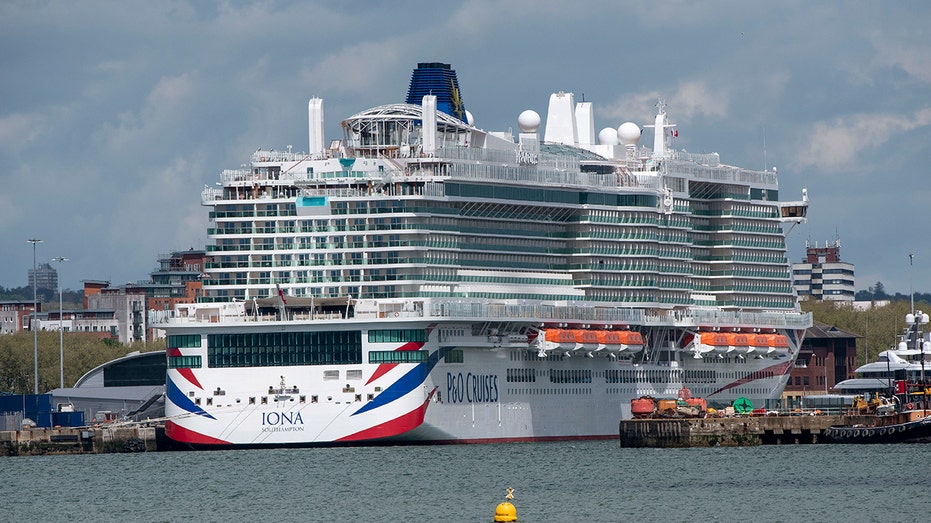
(114, 115)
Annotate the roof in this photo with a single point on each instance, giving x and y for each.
(822, 330)
(863, 384)
(562, 149)
(95, 377)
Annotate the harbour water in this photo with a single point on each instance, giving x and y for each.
(554, 482)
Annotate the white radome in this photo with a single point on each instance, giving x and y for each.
(628, 133)
(469, 119)
(528, 121)
(608, 136)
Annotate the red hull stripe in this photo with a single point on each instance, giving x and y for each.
(183, 435)
(399, 425)
(774, 370)
(385, 367)
(186, 373)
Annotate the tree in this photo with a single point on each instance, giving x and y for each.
(82, 351)
(879, 291)
(880, 328)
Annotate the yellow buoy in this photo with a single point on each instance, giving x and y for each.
(506, 511)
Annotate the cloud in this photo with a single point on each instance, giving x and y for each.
(357, 68)
(19, 130)
(688, 100)
(166, 104)
(910, 52)
(841, 142)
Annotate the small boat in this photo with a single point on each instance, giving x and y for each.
(895, 420)
(912, 431)
(905, 415)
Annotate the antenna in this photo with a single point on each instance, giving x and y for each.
(910, 291)
(764, 148)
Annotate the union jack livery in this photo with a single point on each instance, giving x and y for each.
(424, 280)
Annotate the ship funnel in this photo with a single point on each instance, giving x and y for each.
(315, 127)
(561, 126)
(439, 80)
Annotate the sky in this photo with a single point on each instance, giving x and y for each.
(115, 115)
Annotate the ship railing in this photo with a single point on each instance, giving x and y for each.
(617, 315)
(480, 310)
(720, 173)
(210, 194)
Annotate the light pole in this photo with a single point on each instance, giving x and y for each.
(35, 310)
(61, 335)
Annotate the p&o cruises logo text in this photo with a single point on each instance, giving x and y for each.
(471, 388)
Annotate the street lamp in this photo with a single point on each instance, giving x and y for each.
(35, 310)
(61, 335)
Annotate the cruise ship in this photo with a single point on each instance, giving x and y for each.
(420, 279)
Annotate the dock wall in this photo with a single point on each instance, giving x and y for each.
(78, 440)
(729, 432)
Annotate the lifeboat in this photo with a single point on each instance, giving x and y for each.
(759, 342)
(777, 342)
(714, 341)
(585, 339)
(740, 341)
(559, 339)
(617, 341)
(631, 341)
(643, 407)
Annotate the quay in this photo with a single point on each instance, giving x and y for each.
(731, 431)
(81, 440)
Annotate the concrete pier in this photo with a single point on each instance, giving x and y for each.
(78, 440)
(730, 432)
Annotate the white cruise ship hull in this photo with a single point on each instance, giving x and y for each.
(501, 390)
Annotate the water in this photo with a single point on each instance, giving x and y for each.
(553, 482)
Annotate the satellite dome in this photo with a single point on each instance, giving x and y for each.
(608, 136)
(628, 133)
(528, 121)
(469, 119)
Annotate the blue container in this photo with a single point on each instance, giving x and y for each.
(68, 419)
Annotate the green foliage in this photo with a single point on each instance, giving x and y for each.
(48, 298)
(879, 327)
(82, 351)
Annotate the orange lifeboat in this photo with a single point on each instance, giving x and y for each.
(632, 341)
(714, 339)
(610, 338)
(642, 407)
(777, 342)
(621, 340)
(560, 336)
(740, 341)
(631, 338)
(717, 341)
(759, 341)
(585, 337)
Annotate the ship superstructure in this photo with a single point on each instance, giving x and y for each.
(424, 279)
